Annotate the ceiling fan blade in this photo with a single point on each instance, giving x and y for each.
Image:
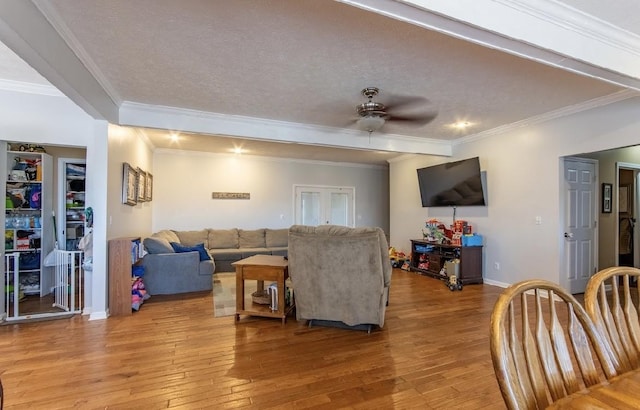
(402, 101)
(349, 123)
(415, 119)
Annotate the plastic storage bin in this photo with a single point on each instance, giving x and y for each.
(472, 240)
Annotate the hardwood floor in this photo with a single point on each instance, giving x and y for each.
(433, 353)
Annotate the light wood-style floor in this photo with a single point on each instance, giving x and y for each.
(433, 353)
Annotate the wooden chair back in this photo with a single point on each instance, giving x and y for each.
(544, 346)
(612, 303)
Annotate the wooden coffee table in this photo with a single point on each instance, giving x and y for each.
(262, 268)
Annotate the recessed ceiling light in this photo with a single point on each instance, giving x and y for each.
(461, 125)
(174, 136)
(238, 150)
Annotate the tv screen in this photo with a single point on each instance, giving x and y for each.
(456, 183)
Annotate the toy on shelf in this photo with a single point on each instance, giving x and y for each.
(458, 234)
(434, 231)
(138, 290)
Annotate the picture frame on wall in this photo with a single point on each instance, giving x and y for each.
(129, 184)
(148, 189)
(607, 190)
(141, 185)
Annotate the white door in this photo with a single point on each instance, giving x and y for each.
(580, 223)
(324, 205)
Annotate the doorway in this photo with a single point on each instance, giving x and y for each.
(627, 234)
(52, 283)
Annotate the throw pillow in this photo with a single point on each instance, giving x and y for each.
(157, 245)
(204, 255)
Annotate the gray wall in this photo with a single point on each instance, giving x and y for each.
(184, 181)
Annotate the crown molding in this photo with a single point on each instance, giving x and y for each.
(143, 136)
(30, 88)
(567, 17)
(187, 120)
(402, 158)
(551, 115)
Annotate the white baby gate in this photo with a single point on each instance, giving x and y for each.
(67, 285)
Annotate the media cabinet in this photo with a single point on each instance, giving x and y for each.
(436, 254)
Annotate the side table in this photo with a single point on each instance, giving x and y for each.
(262, 268)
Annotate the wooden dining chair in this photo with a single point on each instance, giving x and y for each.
(613, 305)
(544, 346)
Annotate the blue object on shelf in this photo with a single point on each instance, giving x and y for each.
(472, 240)
(137, 270)
(422, 248)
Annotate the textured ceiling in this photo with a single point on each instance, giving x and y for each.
(305, 62)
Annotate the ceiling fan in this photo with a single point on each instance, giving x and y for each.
(373, 115)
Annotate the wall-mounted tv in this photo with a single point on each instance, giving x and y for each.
(456, 183)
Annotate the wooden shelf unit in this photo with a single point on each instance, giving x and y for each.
(31, 174)
(437, 254)
(122, 256)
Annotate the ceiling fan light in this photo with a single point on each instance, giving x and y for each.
(371, 123)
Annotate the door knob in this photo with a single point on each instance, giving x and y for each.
(568, 235)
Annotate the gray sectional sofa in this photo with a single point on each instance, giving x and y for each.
(169, 272)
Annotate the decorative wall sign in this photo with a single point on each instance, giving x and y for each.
(230, 195)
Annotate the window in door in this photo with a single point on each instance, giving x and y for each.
(315, 205)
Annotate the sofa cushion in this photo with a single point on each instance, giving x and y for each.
(280, 251)
(246, 252)
(226, 254)
(157, 245)
(223, 238)
(251, 238)
(204, 255)
(192, 238)
(276, 237)
(170, 236)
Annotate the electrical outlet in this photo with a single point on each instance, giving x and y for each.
(496, 265)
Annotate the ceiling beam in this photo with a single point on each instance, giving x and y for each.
(29, 34)
(545, 31)
(185, 120)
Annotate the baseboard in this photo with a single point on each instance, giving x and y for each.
(98, 315)
(496, 283)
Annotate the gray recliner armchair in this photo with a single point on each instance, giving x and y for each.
(340, 275)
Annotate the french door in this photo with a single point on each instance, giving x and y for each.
(318, 205)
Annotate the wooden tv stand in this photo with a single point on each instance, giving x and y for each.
(437, 254)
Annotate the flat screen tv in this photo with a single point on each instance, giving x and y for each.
(456, 183)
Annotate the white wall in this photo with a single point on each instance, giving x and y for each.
(523, 170)
(126, 145)
(55, 120)
(184, 181)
